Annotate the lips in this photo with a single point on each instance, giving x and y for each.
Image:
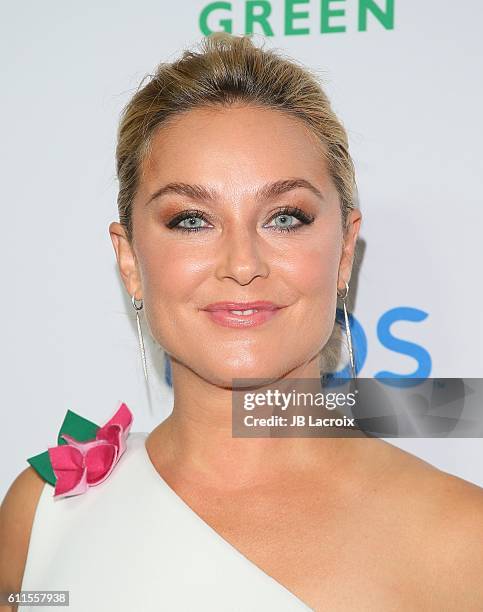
(242, 314)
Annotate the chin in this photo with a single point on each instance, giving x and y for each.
(223, 377)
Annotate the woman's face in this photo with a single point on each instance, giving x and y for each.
(234, 245)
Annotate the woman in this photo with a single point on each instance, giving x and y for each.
(236, 186)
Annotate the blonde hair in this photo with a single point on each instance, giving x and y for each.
(228, 69)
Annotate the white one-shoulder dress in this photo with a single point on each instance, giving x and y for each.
(131, 544)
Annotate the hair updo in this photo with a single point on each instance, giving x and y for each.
(228, 69)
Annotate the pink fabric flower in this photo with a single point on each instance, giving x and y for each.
(79, 465)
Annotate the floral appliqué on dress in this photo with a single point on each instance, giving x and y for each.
(86, 453)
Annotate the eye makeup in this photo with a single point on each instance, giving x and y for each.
(284, 212)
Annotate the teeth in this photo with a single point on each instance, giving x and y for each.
(244, 312)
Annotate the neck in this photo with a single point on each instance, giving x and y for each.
(196, 443)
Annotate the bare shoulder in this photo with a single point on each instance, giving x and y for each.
(458, 541)
(453, 503)
(16, 518)
(445, 493)
(447, 515)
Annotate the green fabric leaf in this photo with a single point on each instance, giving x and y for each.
(73, 425)
(41, 464)
(78, 427)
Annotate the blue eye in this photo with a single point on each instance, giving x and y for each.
(189, 224)
(189, 216)
(287, 214)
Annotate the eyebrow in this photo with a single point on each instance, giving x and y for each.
(267, 192)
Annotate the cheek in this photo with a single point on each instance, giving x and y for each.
(314, 272)
(169, 273)
(314, 268)
(169, 278)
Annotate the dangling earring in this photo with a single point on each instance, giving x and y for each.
(343, 297)
(140, 334)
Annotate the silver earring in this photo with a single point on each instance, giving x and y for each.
(137, 308)
(343, 297)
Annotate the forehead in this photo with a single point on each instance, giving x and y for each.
(242, 146)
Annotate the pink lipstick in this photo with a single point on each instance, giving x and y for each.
(242, 314)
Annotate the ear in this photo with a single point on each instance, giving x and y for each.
(126, 260)
(354, 220)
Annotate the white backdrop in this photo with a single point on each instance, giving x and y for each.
(411, 99)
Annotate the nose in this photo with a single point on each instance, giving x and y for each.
(240, 257)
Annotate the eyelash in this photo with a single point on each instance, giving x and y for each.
(293, 211)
